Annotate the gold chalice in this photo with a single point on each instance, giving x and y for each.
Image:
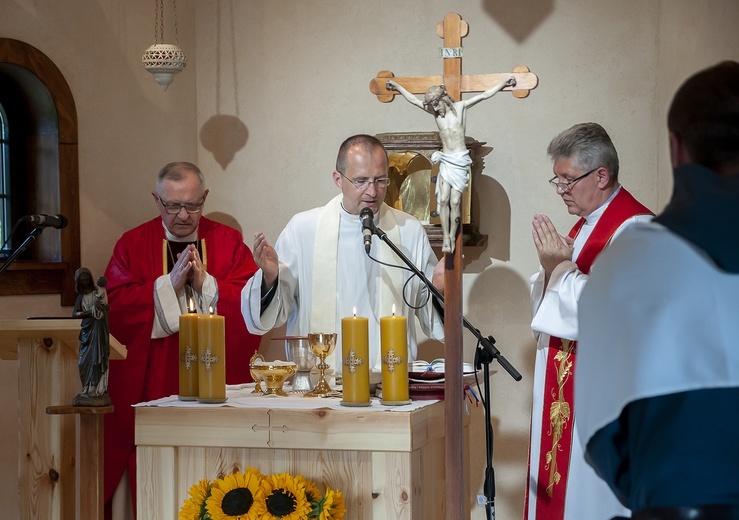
(274, 373)
(257, 381)
(322, 345)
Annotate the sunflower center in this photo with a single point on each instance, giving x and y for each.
(281, 502)
(237, 502)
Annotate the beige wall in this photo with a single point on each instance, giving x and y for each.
(272, 88)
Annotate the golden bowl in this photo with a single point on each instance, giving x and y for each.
(273, 374)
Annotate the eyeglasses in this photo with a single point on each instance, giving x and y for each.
(566, 186)
(382, 182)
(174, 208)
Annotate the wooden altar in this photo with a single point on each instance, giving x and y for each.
(387, 463)
(47, 352)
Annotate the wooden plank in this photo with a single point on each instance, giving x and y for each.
(414, 84)
(89, 457)
(155, 473)
(392, 492)
(482, 82)
(65, 330)
(294, 429)
(46, 443)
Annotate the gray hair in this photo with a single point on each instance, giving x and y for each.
(175, 171)
(588, 145)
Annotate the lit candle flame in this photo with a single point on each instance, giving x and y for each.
(210, 310)
(190, 305)
(355, 312)
(393, 309)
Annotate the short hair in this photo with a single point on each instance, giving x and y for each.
(588, 145)
(367, 142)
(704, 114)
(175, 171)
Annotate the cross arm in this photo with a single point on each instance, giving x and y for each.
(525, 82)
(413, 84)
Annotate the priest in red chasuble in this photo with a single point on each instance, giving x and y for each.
(157, 269)
(561, 485)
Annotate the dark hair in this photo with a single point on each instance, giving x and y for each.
(367, 142)
(704, 114)
(588, 145)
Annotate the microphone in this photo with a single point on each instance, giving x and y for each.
(368, 227)
(42, 221)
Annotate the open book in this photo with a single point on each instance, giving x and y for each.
(436, 366)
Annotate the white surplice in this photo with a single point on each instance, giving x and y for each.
(681, 334)
(360, 282)
(554, 310)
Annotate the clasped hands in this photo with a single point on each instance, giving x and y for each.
(553, 248)
(188, 268)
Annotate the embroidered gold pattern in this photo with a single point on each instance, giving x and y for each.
(559, 412)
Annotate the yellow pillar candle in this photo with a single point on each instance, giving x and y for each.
(355, 361)
(211, 358)
(394, 352)
(189, 357)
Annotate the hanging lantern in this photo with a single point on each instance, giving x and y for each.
(164, 60)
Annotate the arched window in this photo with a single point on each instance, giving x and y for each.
(42, 164)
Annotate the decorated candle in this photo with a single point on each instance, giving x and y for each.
(189, 356)
(355, 360)
(211, 358)
(394, 352)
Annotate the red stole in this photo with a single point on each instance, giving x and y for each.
(558, 409)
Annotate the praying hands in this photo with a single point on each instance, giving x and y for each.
(552, 247)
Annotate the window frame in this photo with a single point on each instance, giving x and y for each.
(50, 277)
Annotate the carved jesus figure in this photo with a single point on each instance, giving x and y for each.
(454, 157)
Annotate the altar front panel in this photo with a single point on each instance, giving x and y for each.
(387, 464)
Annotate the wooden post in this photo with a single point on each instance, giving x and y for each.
(89, 499)
(452, 29)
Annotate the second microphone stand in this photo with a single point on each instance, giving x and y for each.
(31, 237)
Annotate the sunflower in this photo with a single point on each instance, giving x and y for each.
(311, 492)
(235, 496)
(284, 498)
(332, 505)
(194, 507)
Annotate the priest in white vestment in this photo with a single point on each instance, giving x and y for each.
(318, 272)
(560, 483)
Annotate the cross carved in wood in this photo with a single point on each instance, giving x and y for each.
(269, 428)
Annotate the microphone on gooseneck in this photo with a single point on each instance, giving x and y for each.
(368, 227)
(42, 221)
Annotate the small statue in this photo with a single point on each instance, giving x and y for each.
(92, 307)
(454, 157)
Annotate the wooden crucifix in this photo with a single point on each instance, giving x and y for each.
(386, 86)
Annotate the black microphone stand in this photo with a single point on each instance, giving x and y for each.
(484, 355)
(32, 236)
